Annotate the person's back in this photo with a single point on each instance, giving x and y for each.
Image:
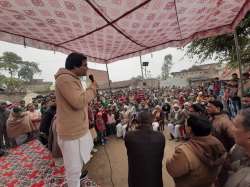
(197, 162)
(19, 125)
(222, 129)
(238, 167)
(145, 149)
(46, 123)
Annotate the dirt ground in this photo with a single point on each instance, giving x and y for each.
(99, 168)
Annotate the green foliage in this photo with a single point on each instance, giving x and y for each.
(28, 70)
(222, 48)
(14, 64)
(166, 66)
(12, 85)
(10, 62)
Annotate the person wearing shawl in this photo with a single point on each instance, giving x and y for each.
(35, 116)
(197, 162)
(19, 125)
(158, 117)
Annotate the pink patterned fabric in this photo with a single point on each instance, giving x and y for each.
(112, 30)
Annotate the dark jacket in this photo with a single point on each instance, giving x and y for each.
(4, 114)
(145, 149)
(47, 118)
(46, 124)
(197, 162)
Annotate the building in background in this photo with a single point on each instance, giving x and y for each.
(100, 76)
(132, 84)
(196, 75)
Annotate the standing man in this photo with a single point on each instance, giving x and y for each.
(72, 122)
(145, 150)
(4, 114)
(234, 95)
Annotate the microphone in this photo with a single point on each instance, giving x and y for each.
(91, 77)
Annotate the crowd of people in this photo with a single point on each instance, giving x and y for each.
(208, 120)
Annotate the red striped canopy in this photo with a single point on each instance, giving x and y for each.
(111, 30)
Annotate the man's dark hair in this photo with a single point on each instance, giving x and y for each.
(234, 74)
(198, 108)
(145, 118)
(246, 118)
(200, 125)
(217, 104)
(17, 109)
(74, 60)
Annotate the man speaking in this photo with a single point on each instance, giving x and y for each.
(72, 123)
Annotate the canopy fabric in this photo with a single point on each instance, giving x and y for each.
(111, 30)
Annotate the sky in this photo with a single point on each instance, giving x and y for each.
(49, 62)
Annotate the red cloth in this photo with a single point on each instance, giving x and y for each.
(105, 116)
(100, 125)
(216, 87)
(140, 96)
(181, 101)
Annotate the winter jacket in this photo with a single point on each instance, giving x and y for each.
(145, 149)
(19, 125)
(197, 162)
(72, 105)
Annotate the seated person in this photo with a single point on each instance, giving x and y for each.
(197, 162)
(166, 108)
(239, 157)
(158, 118)
(121, 127)
(145, 150)
(19, 125)
(35, 116)
(177, 120)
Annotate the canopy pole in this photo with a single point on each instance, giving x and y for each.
(108, 79)
(239, 60)
(24, 42)
(141, 68)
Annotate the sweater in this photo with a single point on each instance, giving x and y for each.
(72, 105)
